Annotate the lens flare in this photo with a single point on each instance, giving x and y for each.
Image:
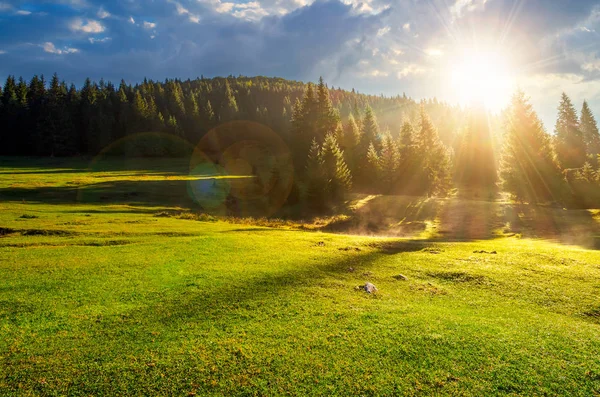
(251, 168)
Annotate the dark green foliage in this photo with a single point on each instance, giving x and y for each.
(434, 159)
(569, 141)
(328, 178)
(528, 168)
(589, 129)
(335, 170)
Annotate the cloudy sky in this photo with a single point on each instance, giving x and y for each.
(375, 46)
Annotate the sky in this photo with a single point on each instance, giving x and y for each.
(375, 46)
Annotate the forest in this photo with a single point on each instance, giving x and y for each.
(339, 141)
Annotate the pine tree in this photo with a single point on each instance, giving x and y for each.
(326, 117)
(476, 164)
(589, 130)
(434, 162)
(316, 182)
(349, 142)
(370, 130)
(335, 170)
(528, 169)
(230, 109)
(586, 173)
(389, 163)
(569, 142)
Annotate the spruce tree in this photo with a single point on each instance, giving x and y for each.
(316, 184)
(589, 129)
(434, 160)
(476, 163)
(389, 162)
(528, 168)
(326, 117)
(336, 172)
(569, 141)
(370, 130)
(349, 142)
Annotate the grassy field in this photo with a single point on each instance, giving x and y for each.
(107, 287)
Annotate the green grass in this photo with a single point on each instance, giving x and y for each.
(106, 298)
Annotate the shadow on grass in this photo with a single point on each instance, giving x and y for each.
(198, 302)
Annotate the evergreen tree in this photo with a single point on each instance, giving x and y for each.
(230, 109)
(370, 130)
(587, 173)
(350, 142)
(327, 118)
(389, 163)
(476, 163)
(589, 130)
(528, 169)
(335, 170)
(569, 141)
(434, 161)
(316, 181)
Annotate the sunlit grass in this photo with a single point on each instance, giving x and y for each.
(149, 299)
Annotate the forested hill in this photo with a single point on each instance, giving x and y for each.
(55, 118)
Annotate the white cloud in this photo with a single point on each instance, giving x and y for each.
(223, 7)
(410, 69)
(131, 20)
(103, 14)
(149, 25)
(383, 31)
(378, 73)
(23, 12)
(87, 26)
(181, 10)
(434, 52)
(459, 8)
(5, 6)
(93, 40)
(51, 48)
(2, 52)
(406, 27)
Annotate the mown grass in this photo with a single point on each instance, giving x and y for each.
(105, 298)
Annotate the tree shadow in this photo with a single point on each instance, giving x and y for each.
(195, 302)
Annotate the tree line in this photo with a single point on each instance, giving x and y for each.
(341, 141)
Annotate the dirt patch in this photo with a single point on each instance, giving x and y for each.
(429, 289)
(395, 247)
(106, 243)
(459, 277)
(433, 250)
(349, 249)
(175, 234)
(46, 232)
(593, 313)
(5, 231)
(27, 216)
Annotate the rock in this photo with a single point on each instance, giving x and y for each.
(320, 244)
(350, 269)
(400, 277)
(370, 288)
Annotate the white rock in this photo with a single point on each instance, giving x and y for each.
(370, 288)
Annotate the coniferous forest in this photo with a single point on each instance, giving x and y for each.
(340, 141)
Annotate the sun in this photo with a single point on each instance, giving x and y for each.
(482, 77)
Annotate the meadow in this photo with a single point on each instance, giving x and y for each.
(112, 283)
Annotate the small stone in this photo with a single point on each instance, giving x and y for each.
(351, 269)
(370, 288)
(400, 277)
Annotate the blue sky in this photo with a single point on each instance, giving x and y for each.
(375, 46)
